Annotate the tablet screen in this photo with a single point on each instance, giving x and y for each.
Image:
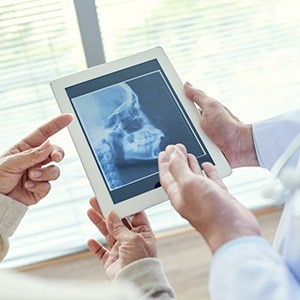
(128, 117)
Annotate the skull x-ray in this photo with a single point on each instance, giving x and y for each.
(127, 123)
(126, 128)
(119, 131)
(125, 134)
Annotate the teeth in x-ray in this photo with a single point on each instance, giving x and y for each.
(142, 144)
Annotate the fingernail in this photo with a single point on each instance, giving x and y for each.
(59, 156)
(170, 149)
(36, 174)
(29, 184)
(189, 84)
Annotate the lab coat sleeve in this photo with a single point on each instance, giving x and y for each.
(11, 214)
(272, 136)
(248, 268)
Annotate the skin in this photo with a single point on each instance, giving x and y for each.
(203, 199)
(233, 137)
(127, 240)
(24, 169)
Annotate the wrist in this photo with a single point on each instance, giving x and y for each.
(15, 198)
(225, 234)
(246, 154)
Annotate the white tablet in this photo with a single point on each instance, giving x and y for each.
(125, 113)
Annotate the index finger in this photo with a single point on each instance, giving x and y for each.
(178, 167)
(94, 204)
(100, 223)
(41, 134)
(165, 178)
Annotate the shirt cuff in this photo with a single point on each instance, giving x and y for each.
(147, 274)
(238, 242)
(11, 214)
(272, 136)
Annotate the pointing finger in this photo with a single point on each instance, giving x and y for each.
(178, 166)
(40, 135)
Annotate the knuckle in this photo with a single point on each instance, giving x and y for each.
(199, 94)
(32, 154)
(118, 230)
(213, 104)
(188, 184)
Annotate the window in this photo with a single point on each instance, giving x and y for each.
(244, 54)
(36, 47)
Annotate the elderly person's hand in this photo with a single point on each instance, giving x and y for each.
(233, 137)
(203, 200)
(127, 241)
(24, 169)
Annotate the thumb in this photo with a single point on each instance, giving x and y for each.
(117, 229)
(195, 95)
(29, 158)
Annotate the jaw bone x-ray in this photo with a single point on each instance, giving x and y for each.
(120, 133)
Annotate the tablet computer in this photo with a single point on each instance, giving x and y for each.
(125, 113)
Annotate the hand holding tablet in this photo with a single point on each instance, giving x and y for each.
(125, 113)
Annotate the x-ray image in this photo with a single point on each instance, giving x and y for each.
(120, 133)
(127, 124)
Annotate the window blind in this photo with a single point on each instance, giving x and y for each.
(243, 54)
(39, 43)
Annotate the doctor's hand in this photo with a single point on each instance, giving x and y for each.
(127, 241)
(232, 137)
(203, 200)
(24, 169)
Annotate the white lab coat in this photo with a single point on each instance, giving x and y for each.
(248, 267)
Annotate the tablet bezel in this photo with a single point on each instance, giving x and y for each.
(152, 197)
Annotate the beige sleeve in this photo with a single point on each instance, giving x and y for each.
(148, 275)
(11, 214)
(19, 285)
